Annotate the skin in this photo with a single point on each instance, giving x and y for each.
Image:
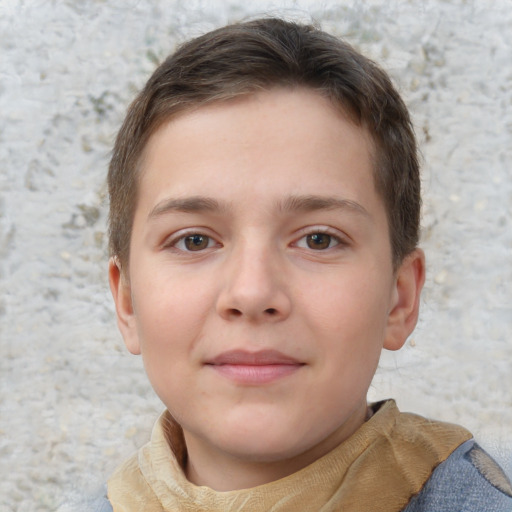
(258, 228)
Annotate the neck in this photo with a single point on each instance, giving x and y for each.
(221, 471)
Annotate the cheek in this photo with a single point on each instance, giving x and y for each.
(170, 314)
(350, 321)
(351, 303)
(167, 336)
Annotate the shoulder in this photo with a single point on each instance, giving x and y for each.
(102, 505)
(468, 480)
(87, 503)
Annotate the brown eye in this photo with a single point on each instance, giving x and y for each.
(196, 242)
(318, 241)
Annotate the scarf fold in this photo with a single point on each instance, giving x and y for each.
(379, 468)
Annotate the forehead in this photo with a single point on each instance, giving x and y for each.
(283, 141)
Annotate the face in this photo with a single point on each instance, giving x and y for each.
(260, 288)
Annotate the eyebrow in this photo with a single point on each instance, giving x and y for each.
(194, 204)
(311, 203)
(306, 203)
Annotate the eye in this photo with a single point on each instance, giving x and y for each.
(194, 242)
(318, 241)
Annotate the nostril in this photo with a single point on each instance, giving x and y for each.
(271, 311)
(235, 312)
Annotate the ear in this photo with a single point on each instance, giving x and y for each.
(121, 292)
(409, 280)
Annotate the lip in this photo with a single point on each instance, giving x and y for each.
(254, 368)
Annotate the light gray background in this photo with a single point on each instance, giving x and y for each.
(73, 403)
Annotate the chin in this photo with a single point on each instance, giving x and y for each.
(264, 444)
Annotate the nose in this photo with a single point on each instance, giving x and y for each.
(254, 287)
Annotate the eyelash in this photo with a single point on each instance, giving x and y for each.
(311, 232)
(175, 242)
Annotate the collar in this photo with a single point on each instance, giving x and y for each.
(378, 469)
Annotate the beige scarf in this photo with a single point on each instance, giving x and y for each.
(378, 469)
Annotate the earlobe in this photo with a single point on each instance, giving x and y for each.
(121, 292)
(403, 316)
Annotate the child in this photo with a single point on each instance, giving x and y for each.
(264, 218)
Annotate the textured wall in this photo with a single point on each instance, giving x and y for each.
(73, 403)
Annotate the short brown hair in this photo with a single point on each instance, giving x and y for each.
(247, 57)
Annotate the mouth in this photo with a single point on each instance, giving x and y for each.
(254, 368)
